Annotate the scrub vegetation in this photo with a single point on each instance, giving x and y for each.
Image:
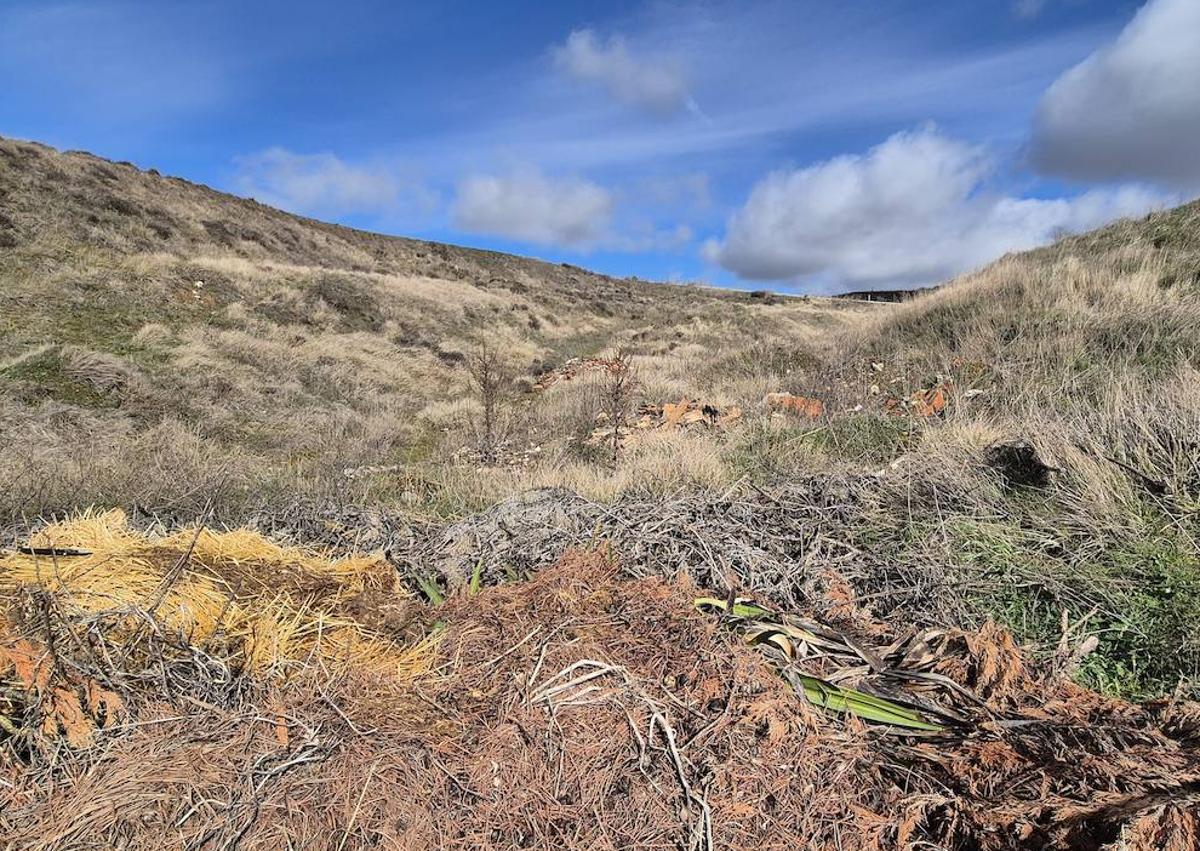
(1011, 460)
(174, 351)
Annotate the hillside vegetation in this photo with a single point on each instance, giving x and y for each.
(323, 539)
(170, 347)
(1020, 444)
(1087, 351)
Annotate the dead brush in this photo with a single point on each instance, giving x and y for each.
(573, 710)
(199, 610)
(615, 393)
(491, 378)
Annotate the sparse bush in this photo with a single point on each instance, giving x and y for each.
(357, 307)
(491, 378)
(51, 373)
(791, 364)
(616, 390)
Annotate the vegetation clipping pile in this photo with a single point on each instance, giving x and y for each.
(214, 690)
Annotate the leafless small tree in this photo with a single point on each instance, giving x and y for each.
(616, 395)
(492, 381)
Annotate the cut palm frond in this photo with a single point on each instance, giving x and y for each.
(791, 640)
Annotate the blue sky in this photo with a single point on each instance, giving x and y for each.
(810, 146)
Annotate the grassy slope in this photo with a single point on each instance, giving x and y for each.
(311, 348)
(167, 345)
(1090, 350)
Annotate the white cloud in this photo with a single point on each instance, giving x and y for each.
(658, 86)
(529, 206)
(1132, 109)
(316, 184)
(765, 72)
(912, 210)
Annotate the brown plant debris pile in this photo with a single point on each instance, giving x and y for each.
(215, 691)
(779, 542)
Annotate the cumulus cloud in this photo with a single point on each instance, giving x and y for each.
(315, 184)
(655, 85)
(1131, 110)
(531, 207)
(913, 210)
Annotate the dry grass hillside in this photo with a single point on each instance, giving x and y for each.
(541, 558)
(1060, 489)
(166, 347)
(1021, 442)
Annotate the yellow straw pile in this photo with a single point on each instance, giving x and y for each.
(279, 603)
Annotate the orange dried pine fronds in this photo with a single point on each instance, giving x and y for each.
(30, 665)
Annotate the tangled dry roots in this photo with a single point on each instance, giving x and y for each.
(578, 709)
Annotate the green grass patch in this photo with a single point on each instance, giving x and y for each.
(864, 437)
(44, 376)
(1141, 595)
(768, 451)
(764, 452)
(1153, 643)
(1013, 578)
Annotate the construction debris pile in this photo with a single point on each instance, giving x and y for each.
(803, 406)
(575, 367)
(672, 416)
(214, 690)
(926, 402)
(686, 412)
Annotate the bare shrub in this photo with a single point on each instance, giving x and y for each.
(491, 378)
(616, 396)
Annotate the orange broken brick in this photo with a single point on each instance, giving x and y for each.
(64, 712)
(104, 705)
(804, 406)
(922, 403)
(931, 402)
(673, 414)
